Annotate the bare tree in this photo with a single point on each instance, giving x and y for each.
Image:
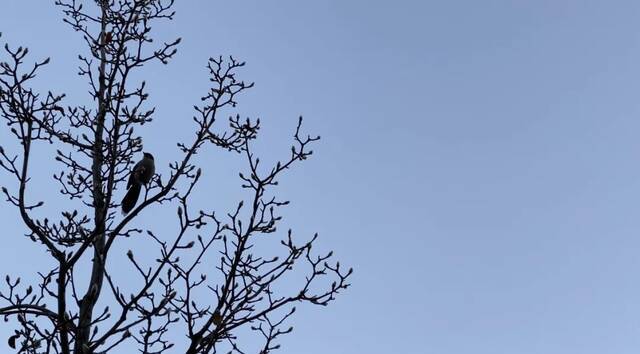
(223, 289)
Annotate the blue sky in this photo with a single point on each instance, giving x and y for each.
(478, 167)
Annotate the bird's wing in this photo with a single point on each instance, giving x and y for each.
(134, 176)
(147, 171)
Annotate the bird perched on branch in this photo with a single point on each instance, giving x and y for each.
(107, 38)
(141, 175)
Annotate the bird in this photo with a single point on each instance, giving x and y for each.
(141, 174)
(107, 38)
(217, 318)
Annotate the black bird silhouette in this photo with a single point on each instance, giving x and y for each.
(140, 175)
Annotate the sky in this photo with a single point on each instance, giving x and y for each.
(479, 164)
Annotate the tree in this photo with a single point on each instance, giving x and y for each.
(96, 146)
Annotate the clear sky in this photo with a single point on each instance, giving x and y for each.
(479, 166)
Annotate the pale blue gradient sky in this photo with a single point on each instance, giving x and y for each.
(479, 166)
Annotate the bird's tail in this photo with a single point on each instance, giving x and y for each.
(130, 199)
